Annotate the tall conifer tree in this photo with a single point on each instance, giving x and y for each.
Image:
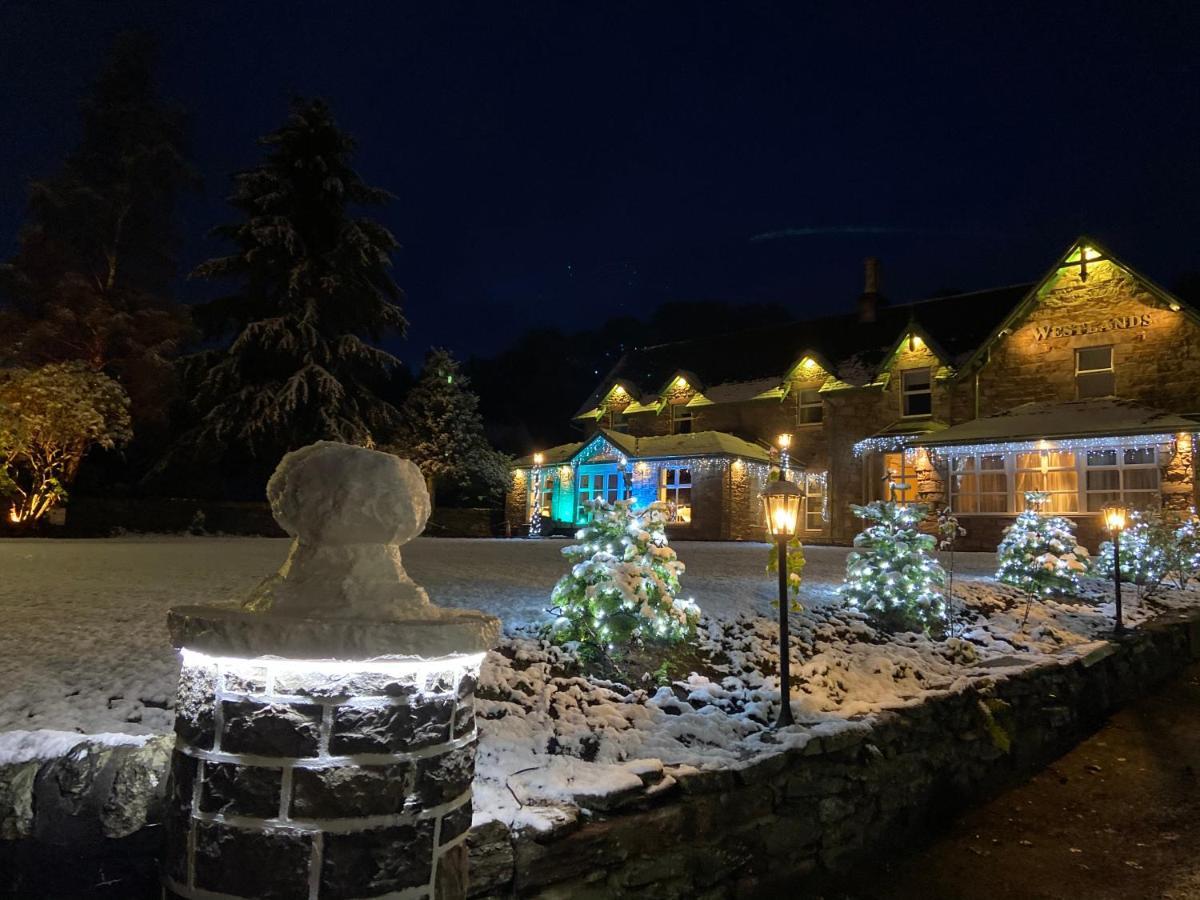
(91, 277)
(313, 293)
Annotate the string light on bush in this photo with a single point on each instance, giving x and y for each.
(535, 519)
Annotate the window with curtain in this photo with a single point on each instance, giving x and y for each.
(1052, 471)
(1128, 476)
(675, 489)
(979, 484)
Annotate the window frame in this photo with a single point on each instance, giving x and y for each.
(811, 480)
(818, 404)
(952, 495)
(906, 393)
(1110, 371)
(668, 484)
(680, 413)
(1135, 497)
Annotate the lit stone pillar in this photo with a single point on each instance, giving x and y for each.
(325, 732)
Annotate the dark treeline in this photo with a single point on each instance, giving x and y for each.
(529, 392)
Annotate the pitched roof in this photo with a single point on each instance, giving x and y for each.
(955, 325)
(666, 446)
(1103, 416)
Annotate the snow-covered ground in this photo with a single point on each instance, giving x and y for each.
(83, 645)
(83, 648)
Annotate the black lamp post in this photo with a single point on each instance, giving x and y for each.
(1114, 519)
(781, 501)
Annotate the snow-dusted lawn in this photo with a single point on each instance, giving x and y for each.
(83, 645)
(83, 648)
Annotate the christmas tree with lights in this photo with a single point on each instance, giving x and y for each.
(623, 583)
(891, 573)
(1039, 553)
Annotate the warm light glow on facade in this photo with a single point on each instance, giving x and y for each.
(13, 515)
(538, 459)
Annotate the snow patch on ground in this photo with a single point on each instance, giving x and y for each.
(84, 650)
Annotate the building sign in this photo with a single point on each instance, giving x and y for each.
(1116, 323)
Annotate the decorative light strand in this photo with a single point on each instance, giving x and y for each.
(1114, 442)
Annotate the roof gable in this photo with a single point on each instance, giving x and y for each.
(1083, 251)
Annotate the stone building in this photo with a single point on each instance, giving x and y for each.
(1084, 384)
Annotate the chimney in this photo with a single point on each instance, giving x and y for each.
(870, 300)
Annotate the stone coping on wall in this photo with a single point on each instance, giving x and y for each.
(684, 832)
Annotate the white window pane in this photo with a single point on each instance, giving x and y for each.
(1141, 456)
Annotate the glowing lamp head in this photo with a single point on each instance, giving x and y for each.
(1114, 517)
(539, 458)
(784, 441)
(781, 500)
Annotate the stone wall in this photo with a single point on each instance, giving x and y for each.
(764, 829)
(290, 783)
(731, 833)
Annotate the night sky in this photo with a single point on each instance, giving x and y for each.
(560, 164)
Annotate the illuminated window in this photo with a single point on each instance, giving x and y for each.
(681, 419)
(900, 482)
(1094, 376)
(812, 408)
(916, 392)
(1128, 476)
(1052, 471)
(597, 486)
(547, 495)
(979, 484)
(814, 502)
(675, 489)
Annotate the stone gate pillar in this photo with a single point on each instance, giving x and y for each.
(325, 734)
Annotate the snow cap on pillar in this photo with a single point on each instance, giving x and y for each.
(342, 593)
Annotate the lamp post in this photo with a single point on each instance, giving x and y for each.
(785, 444)
(781, 500)
(1114, 518)
(535, 518)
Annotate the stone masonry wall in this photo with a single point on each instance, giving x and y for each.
(760, 830)
(318, 784)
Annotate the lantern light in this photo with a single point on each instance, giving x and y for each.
(1115, 516)
(781, 500)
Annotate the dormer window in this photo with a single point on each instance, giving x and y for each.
(681, 419)
(812, 408)
(916, 392)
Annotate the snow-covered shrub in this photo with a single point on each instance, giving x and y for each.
(891, 573)
(1039, 553)
(624, 581)
(1145, 550)
(1155, 548)
(1184, 563)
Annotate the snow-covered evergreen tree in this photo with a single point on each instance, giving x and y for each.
(1039, 553)
(313, 284)
(624, 581)
(441, 430)
(91, 278)
(1145, 551)
(891, 573)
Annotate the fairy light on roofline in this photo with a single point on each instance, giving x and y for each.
(1072, 444)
